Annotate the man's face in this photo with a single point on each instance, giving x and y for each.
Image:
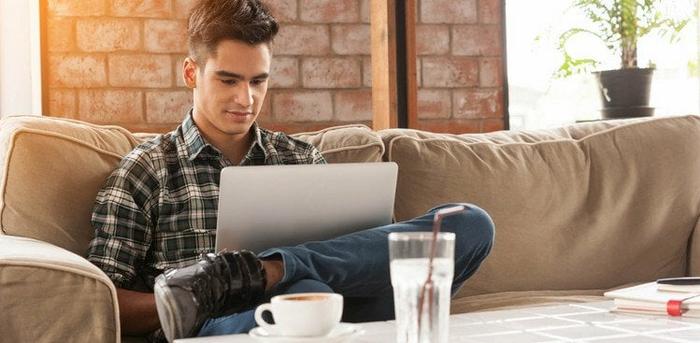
(229, 88)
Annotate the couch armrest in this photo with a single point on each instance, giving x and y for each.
(48, 294)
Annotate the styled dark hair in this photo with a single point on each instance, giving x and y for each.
(211, 21)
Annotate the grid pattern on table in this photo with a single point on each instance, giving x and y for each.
(586, 322)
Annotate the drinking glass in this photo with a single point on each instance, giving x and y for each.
(421, 292)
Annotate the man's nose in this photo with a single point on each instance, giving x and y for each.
(243, 96)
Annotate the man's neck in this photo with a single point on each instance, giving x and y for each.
(235, 149)
(233, 146)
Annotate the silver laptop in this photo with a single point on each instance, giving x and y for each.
(261, 207)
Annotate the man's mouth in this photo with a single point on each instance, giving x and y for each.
(239, 113)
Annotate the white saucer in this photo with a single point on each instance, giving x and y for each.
(342, 333)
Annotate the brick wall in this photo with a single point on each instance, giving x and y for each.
(118, 62)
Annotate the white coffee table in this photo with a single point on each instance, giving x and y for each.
(587, 322)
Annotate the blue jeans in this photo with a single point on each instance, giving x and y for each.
(356, 265)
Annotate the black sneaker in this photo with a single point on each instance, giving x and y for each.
(217, 285)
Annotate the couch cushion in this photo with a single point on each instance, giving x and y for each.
(51, 172)
(523, 299)
(349, 143)
(589, 206)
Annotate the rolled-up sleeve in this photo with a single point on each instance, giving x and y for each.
(122, 221)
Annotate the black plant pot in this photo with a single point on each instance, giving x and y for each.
(624, 93)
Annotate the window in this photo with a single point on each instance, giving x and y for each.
(20, 57)
(538, 99)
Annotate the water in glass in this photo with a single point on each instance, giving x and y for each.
(407, 277)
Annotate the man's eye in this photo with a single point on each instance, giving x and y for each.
(229, 82)
(257, 82)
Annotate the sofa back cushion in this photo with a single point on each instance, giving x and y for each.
(53, 168)
(344, 144)
(590, 206)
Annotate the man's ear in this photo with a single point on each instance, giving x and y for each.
(189, 72)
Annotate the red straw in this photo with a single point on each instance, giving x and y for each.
(428, 285)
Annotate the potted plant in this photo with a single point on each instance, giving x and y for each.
(619, 24)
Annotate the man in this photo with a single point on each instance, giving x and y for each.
(155, 218)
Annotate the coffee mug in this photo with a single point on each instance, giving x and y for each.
(302, 314)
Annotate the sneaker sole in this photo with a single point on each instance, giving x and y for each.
(167, 311)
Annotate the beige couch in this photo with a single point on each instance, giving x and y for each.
(578, 210)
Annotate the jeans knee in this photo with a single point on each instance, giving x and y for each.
(482, 226)
(472, 227)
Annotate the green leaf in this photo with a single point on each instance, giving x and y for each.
(619, 24)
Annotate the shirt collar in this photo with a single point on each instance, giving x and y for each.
(195, 143)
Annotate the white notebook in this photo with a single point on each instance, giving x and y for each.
(649, 299)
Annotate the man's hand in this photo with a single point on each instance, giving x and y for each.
(274, 271)
(137, 312)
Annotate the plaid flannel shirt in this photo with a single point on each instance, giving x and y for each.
(158, 209)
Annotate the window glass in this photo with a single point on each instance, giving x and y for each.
(540, 99)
